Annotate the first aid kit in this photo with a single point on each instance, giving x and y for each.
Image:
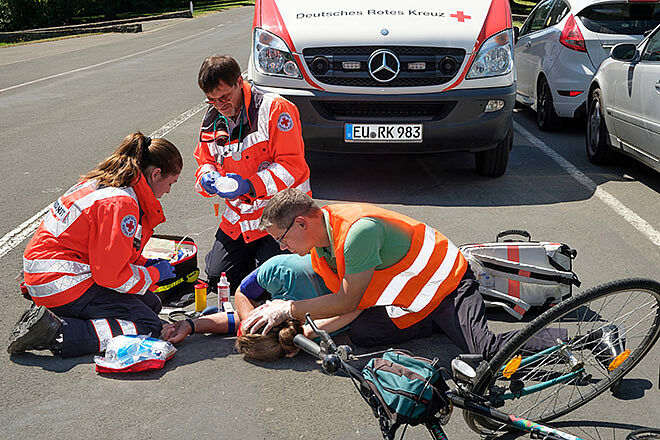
(517, 274)
(182, 254)
(133, 353)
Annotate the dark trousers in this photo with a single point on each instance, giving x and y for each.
(102, 313)
(237, 258)
(461, 316)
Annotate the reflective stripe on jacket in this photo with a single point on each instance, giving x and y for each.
(412, 288)
(92, 235)
(271, 155)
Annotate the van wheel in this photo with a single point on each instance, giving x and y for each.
(493, 162)
(598, 138)
(546, 117)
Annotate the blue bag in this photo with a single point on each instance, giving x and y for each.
(409, 388)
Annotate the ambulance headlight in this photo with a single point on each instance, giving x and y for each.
(272, 56)
(495, 57)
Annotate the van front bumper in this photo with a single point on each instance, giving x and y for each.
(453, 120)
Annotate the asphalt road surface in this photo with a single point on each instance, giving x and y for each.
(66, 105)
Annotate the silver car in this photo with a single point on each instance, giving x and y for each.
(624, 104)
(562, 43)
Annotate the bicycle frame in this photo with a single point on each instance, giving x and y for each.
(543, 385)
(536, 430)
(334, 358)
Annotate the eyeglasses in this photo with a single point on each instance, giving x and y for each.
(219, 101)
(224, 99)
(279, 240)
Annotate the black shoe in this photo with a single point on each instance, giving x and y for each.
(38, 329)
(609, 344)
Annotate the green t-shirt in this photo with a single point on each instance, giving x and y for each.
(370, 242)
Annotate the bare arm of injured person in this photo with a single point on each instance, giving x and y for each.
(218, 323)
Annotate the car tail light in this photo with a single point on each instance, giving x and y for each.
(571, 93)
(571, 36)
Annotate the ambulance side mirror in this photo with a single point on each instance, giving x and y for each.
(516, 34)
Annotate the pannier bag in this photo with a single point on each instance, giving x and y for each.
(515, 274)
(409, 388)
(182, 253)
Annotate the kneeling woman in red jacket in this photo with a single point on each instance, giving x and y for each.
(83, 267)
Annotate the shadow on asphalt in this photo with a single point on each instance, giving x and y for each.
(203, 347)
(623, 168)
(632, 389)
(431, 179)
(189, 351)
(436, 346)
(50, 362)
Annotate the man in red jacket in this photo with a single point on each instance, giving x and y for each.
(250, 147)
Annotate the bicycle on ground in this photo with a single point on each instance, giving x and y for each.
(608, 328)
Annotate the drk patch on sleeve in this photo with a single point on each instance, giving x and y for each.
(129, 225)
(285, 122)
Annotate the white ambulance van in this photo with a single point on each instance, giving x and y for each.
(383, 76)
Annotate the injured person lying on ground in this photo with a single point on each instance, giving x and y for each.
(285, 277)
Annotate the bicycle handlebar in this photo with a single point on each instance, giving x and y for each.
(307, 346)
(332, 356)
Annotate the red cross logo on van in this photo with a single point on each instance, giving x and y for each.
(460, 16)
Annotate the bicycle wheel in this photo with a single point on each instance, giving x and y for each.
(644, 434)
(579, 367)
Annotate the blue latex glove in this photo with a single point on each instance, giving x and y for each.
(165, 270)
(208, 181)
(243, 187)
(152, 261)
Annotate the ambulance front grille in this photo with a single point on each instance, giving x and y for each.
(400, 110)
(441, 65)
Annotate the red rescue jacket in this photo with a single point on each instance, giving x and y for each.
(270, 154)
(92, 235)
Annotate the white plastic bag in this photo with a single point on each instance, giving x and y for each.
(131, 353)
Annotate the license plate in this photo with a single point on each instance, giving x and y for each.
(383, 132)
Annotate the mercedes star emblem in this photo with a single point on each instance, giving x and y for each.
(383, 65)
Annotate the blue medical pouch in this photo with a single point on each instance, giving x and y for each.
(410, 388)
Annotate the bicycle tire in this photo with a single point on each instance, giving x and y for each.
(644, 294)
(644, 434)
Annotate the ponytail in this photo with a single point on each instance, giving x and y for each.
(134, 156)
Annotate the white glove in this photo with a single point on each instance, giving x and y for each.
(270, 314)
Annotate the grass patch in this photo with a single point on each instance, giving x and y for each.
(121, 16)
(204, 8)
(64, 37)
(522, 7)
(199, 9)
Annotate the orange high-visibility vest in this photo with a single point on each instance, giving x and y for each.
(410, 289)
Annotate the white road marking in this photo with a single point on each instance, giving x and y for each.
(25, 229)
(628, 215)
(15, 237)
(104, 62)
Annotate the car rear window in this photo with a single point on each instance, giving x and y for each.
(621, 18)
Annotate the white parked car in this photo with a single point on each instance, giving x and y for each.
(384, 76)
(561, 45)
(624, 104)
